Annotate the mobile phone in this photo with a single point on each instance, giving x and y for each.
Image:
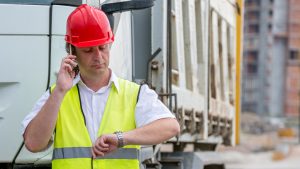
(75, 69)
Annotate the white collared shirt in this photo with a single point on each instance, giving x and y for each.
(148, 109)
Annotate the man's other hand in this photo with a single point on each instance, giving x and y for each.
(105, 144)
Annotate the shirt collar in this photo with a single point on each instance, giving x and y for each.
(113, 80)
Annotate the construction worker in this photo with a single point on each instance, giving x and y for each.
(95, 119)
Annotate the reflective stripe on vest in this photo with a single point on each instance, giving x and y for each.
(85, 152)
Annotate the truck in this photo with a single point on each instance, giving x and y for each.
(188, 51)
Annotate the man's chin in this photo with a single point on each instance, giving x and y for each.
(101, 70)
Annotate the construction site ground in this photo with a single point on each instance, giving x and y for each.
(262, 160)
(285, 156)
(263, 151)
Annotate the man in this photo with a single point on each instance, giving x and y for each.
(98, 119)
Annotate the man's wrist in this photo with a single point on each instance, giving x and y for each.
(59, 91)
(120, 138)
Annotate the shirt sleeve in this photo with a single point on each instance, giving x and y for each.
(36, 108)
(149, 108)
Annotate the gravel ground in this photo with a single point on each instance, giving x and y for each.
(281, 155)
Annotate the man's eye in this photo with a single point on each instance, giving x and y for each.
(103, 47)
(88, 51)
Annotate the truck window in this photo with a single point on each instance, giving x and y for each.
(27, 2)
(42, 2)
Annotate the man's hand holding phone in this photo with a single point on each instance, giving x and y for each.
(67, 73)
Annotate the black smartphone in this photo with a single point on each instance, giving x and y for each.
(75, 69)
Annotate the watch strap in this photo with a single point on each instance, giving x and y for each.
(119, 135)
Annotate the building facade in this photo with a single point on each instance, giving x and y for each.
(271, 75)
(292, 100)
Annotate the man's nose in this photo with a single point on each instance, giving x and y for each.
(98, 53)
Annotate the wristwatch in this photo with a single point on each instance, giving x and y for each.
(119, 135)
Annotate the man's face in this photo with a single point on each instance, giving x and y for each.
(93, 60)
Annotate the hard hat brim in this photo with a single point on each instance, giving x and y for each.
(91, 43)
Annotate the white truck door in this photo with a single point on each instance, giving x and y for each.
(30, 32)
(23, 68)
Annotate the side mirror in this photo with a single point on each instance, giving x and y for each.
(110, 7)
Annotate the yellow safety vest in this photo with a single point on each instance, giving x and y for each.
(72, 144)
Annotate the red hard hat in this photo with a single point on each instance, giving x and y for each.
(88, 26)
